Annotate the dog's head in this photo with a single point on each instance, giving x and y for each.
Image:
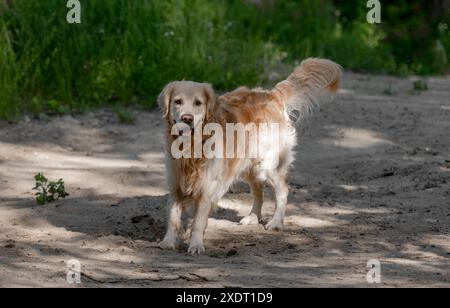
(187, 103)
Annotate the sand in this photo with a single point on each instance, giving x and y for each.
(371, 181)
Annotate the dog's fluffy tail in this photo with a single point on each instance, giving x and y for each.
(313, 82)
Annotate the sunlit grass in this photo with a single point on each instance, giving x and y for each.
(125, 51)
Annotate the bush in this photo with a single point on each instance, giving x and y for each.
(125, 51)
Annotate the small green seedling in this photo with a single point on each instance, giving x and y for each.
(388, 90)
(420, 85)
(125, 116)
(48, 191)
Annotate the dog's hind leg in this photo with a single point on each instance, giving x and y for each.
(278, 181)
(174, 225)
(255, 215)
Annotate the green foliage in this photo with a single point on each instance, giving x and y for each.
(48, 192)
(389, 90)
(417, 32)
(125, 116)
(420, 85)
(122, 49)
(8, 73)
(128, 50)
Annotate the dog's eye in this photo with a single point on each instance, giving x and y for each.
(198, 103)
(178, 102)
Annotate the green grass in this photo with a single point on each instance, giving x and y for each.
(420, 86)
(125, 51)
(125, 116)
(389, 90)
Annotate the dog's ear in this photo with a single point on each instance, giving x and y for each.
(211, 100)
(165, 97)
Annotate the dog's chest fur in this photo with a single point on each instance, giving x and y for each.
(190, 173)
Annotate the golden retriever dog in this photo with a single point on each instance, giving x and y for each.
(200, 181)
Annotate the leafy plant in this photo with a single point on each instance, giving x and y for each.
(420, 85)
(125, 116)
(48, 191)
(130, 49)
(388, 90)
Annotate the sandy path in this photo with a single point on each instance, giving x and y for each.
(371, 181)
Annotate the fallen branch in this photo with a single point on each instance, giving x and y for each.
(191, 277)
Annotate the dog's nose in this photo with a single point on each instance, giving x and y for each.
(187, 118)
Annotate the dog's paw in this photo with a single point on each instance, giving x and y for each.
(167, 244)
(252, 219)
(196, 249)
(275, 225)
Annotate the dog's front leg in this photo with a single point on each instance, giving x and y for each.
(199, 226)
(174, 224)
